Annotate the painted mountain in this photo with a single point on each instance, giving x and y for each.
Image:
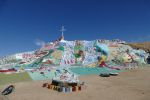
(65, 53)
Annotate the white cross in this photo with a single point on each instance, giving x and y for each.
(62, 31)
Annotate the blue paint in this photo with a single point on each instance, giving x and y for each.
(96, 70)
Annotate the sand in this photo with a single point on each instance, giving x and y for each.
(129, 85)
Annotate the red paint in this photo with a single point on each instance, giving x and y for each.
(8, 70)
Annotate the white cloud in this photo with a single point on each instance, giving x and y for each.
(39, 42)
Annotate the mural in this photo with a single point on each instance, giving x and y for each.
(97, 53)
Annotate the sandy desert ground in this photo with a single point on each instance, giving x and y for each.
(129, 85)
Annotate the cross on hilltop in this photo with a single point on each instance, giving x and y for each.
(62, 31)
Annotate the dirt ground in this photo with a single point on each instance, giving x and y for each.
(129, 85)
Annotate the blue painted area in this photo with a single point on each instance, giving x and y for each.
(96, 70)
(100, 47)
(38, 76)
(78, 70)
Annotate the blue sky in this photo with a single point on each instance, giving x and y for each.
(24, 21)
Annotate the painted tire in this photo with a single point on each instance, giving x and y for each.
(8, 90)
(105, 75)
(113, 74)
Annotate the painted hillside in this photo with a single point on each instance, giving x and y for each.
(65, 53)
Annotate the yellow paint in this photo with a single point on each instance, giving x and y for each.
(57, 54)
(103, 59)
(127, 58)
(92, 65)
